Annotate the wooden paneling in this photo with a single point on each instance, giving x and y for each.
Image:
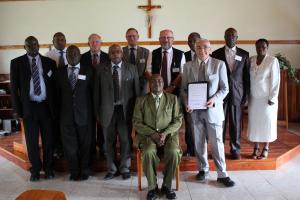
(294, 100)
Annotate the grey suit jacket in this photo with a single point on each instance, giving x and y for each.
(104, 91)
(142, 55)
(217, 86)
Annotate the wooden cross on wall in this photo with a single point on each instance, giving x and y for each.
(148, 8)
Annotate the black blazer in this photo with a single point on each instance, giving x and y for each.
(20, 75)
(239, 79)
(86, 58)
(188, 56)
(74, 106)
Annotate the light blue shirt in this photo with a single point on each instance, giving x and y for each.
(42, 96)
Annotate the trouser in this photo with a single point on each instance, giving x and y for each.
(202, 130)
(233, 115)
(40, 121)
(117, 125)
(172, 156)
(77, 144)
(189, 140)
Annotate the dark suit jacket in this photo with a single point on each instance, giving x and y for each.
(141, 63)
(239, 79)
(104, 91)
(20, 75)
(86, 58)
(74, 105)
(188, 56)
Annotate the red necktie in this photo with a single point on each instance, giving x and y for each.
(95, 59)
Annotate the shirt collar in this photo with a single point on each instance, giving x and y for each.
(233, 48)
(119, 65)
(135, 47)
(76, 66)
(36, 57)
(170, 50)
(58, 51)
(96, 53)
(154, 95)
(205, 61)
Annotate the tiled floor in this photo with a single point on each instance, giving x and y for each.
(283, 183)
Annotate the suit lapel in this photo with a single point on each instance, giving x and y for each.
(225, 60)
(151, 102)
(108, 75)
(236, 63)
(194, 70)
(139, 53)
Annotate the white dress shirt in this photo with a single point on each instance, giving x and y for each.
(54, 54)
(42, 96)
(76, 71)
(169, 59)
(230, 54)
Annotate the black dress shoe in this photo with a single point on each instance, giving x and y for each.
(84, 177)
(201, 176)
(170, 194)
(126, 175)
(74, 177)
(34, 177)
(236, 156)
(49, 174)
(152, 194)
(109, 176)
(226, 181)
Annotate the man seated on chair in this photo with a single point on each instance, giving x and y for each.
(157, 118)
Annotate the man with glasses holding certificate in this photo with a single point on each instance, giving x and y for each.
(207, 120)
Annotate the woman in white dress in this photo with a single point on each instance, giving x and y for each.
(263, 101)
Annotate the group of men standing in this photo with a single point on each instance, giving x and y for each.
(99, 95)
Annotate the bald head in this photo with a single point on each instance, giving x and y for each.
(95, 42)
(31, 45)
(231, 37)
(115, 53)
(73, 55)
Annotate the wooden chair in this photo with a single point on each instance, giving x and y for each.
(42, 195)
(140, 170)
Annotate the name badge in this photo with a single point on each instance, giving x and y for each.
(176, 69)
(81, 77)
(142, 60)
(239, 58)
(49, 73)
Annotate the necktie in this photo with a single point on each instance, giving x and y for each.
(61, 61)
(95, 59)
(194, 57)
(164, 68)
(116, 84)
(132, 56)
(35, 78)
(156, 102)
(73, 78)
(202, 72)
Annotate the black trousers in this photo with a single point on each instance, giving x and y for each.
(77, 147)
(40, 121)
(233, 116)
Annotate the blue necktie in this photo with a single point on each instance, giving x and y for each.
(36, 78)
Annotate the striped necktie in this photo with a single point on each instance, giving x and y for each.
(116, 83)
(73, 77)
(35, 78)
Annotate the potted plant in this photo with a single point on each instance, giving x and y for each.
(284, 63)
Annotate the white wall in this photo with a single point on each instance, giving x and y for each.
(272, 19)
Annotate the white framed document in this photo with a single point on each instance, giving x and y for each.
(198, 95)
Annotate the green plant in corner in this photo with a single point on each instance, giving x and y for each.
(284, 63)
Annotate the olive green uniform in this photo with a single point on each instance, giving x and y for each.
(166, 119)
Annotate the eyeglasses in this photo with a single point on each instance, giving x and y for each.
(168, 38)
(203, 47)
(131, 36)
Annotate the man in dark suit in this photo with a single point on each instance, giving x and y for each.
(74, 92)
(137, 56)
(168, 62)
(237, 65)
(32, 91)
(190, 56)
(115, 91)
(92, 58)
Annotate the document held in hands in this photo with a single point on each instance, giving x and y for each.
(197, 95)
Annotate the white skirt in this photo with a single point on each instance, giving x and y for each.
(262, 120)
